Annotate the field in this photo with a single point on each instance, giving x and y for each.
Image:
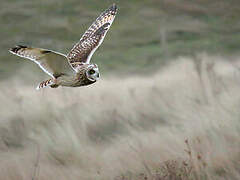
(166, 107)
(187, 114)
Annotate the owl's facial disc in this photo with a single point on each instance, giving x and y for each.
(93, 73)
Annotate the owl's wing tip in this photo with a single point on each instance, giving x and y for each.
(113, 8)
(15, 49)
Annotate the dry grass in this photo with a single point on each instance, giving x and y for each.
(181, 123)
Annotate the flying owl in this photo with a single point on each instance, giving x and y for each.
(73, 69)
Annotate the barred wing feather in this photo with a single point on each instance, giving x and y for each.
(92, 38)
(53, 63)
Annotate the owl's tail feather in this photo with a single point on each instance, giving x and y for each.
(47, 83)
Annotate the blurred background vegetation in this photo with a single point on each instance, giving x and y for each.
(144, 35)
(166, 107)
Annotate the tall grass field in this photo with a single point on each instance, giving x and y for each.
(167, 105)
(180, 123)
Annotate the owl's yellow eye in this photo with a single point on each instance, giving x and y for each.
(91, 71)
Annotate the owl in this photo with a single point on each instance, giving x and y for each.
(73, 69)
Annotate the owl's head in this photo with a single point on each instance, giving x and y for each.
(92, 72)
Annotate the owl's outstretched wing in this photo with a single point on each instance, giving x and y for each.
(53, 63)
(92, 38)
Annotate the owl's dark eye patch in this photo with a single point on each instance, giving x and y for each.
(91, 71)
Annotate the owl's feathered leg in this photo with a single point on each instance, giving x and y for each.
(48, 83)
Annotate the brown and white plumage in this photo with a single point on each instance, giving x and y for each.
(53, 63)
(74, 69)
(92, 38)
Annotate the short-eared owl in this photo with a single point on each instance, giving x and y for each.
(73, 69)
